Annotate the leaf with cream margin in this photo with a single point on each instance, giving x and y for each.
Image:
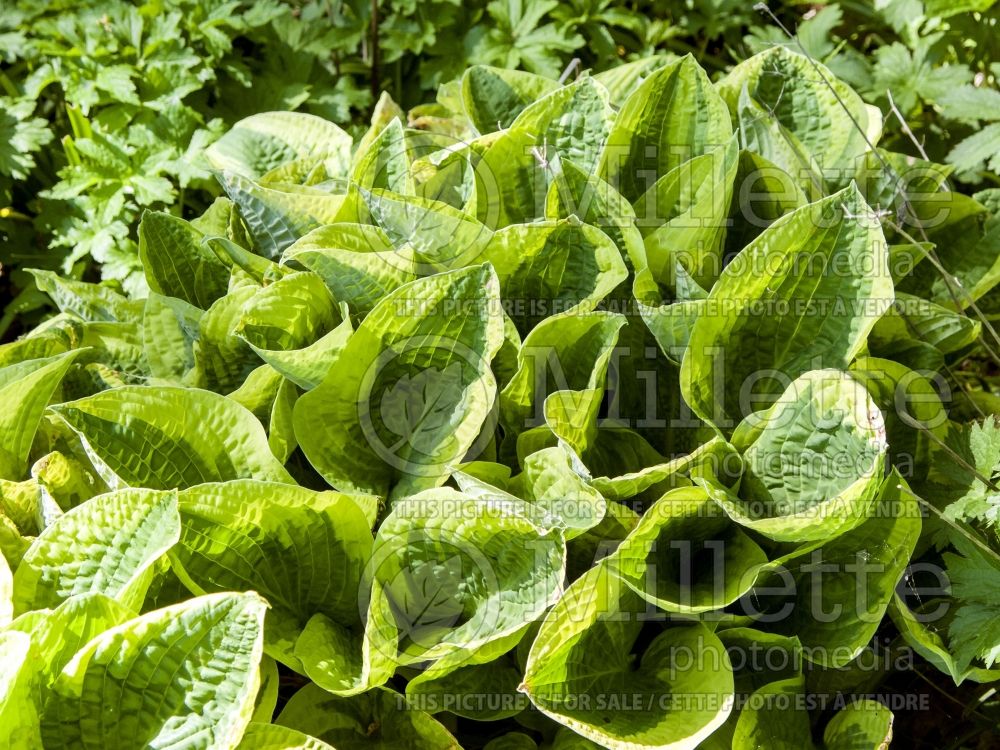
(261, 736)
(567, 351)
(407, 398)
(107, 546)
(25, 390)
(813, 461)
(802, 296)
(494, 97)
(385, 163)
(358, 262)
(674, 115)
(843, 588)
(191, 437)
(441, 238)
(305, 551)
(580, 664)
(260, 143)
(58, 634)
(862, 725)
(686, 556)
(573, 120)
(6, 592)
(277, 215)
(183, 674)
(461, 572)
(295, 325)
(18, 710)
(177, 263)
(793, 99)
(683, 217)
(372, 721)
(550, 267)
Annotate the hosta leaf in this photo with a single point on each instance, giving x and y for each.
(494, 97)
(813, 461)
(106, 546)
(567, 351)
(224, 360)
(573, 120)
(193, 436)
(259, 143)
(273, 737)
(6, 592)
(57, 634)
(797, 100)
(460, 571)
(295, 325)
(859, 726)
(185, 675)
(18, 711)
(373, 721)
(441, 238)
(622, 80)
(177, 263)
(385, 164)
(303, 550)
(580, 672)
(358, 262)
(407, 397)
(683, 217)
(553, 267)
(25, 390)
(801, 296)
(655, 130)
(351, 660)
(91, 302)
(276, 216)
(170, 326)
(658, 558)
(842, 589)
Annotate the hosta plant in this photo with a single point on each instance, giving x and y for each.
(623, 418)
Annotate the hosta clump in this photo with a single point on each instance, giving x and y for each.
(557, 428)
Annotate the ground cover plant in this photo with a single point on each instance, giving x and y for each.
(106, 106)
(630, 412)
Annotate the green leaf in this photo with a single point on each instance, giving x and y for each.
(58, 634)
(552, 267)
(461, 572)
(793, 108)
(685, 556)
(189, 437)
(573, 120)
(273, 737)
(683, 216)
(385, 163)
(407, 397)
(18, 712)
(358, 262)
(304, 551)
(259, 143)
(107, 546)
(655, 132)
(580, 671)
(494, 97)
(864, 725)
(812, 463)
(842, 589)
(803, 295)
(276, 216)
(177, 263)
(373, 721)
(186, 673)
(91, 302)
(25, 390)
